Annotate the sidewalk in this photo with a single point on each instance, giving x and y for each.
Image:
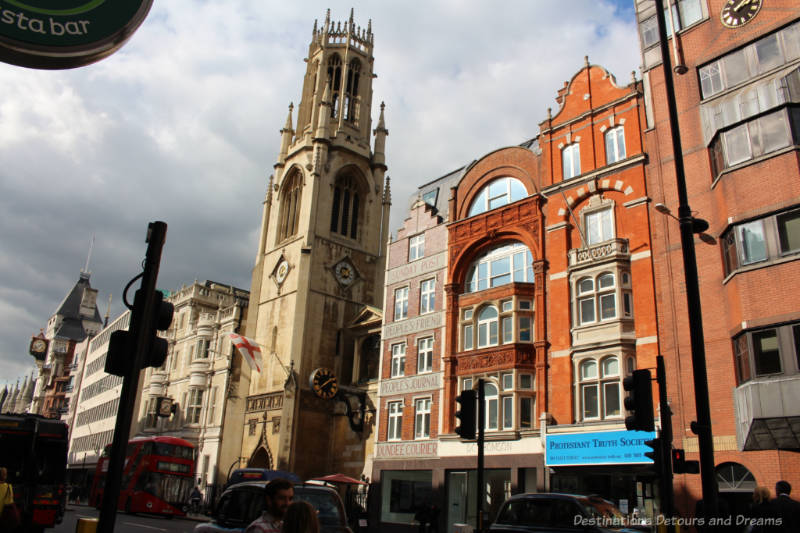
(196, 517)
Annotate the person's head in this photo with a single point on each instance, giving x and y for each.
(760, 495)
(782, 487)
(301, 517)
(279, 494)
(3, 474)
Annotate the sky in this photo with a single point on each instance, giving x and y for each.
(182, 125)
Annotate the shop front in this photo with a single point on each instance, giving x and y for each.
(609, 464)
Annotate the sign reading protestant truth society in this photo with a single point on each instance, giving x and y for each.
(600, 448)
(57, 34)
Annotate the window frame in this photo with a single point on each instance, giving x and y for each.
(617, 137)
(485, 197)
(422, 418)
(394, 421)
(416, 247)
(571, 161)
(774, 236)
(398, 360)
(401, 303)
(600, 382)
(787, 338)
(425, 355)
(427, 296)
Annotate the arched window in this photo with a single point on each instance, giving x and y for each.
(351, 91)
(597, 299)
(487, 327)
(290, 206)
(335, 79)
(497, 193)
(499, 266)
(599, 388)
(346, 203)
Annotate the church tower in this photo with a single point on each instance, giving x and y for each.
(320, 265)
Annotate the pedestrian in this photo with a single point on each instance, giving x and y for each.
(9, 514)
(301, 517)
(278, 496)
(761, 512)
(195, 498)
(787, 509)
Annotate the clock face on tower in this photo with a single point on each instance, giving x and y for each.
(283, 270)
(737, 13)
(345, 273)
(323, 383)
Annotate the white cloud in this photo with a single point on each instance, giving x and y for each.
(182, 125)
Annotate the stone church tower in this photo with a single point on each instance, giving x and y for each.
(319, 270)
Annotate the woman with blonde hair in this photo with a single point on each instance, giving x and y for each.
(300, 517)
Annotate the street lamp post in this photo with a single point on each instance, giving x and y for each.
(688, 227)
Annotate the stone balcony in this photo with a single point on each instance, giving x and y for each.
(198, 371)
(768, 413)
(613, 250)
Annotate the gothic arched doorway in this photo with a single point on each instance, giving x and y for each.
(261, 458)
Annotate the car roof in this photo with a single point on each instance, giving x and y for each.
(261, 484)
(548, 495)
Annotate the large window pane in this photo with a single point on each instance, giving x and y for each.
(710, 79)
(586, 307)
(590, 409)
(789, 231)
(526, 413)
(690, 11)
(508, 412)
(508, 329)
(774, 132)
(611, 397)
(752, 242)
(467, 337)
(768, 53)
(588, 369)
(766, 353)
(736, 70)
(608, 306)
(525, 329)
(737, 145)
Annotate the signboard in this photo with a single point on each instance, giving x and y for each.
(58, 34)
(601, 448)
(407, 450)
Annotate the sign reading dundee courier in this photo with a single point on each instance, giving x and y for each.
(56, 34)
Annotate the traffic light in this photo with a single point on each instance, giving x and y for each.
(121, 346)
(657, 455)
(466, 414)
(639, 402)
(156, 351)
(681, 466)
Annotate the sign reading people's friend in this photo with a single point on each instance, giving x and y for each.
(58, 34)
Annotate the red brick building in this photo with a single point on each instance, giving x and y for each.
(740, 129)
(542, 287)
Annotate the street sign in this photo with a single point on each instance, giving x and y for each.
(60, 34)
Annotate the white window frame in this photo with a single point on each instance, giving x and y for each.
(492, 407)
(484, 201)
(416, 247)
(488, 325)
(424, 355)
(427, 296)
(422, 418)
(485, 272)
(571, 160)
(401, 303)
(599, 225)
(615, 144)
(398, 360)
(394, 426)
(605, 383)
(195, 406)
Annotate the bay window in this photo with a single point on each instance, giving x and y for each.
(599, 388)
(763, 240)
(500, 266)
(767, 352)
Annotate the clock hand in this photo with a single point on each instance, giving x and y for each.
(324, 384)
(741, 4)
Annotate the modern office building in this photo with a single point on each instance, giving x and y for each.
(737, 84)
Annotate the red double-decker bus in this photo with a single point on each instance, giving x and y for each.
(157, 477)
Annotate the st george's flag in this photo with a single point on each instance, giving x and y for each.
(250, 350)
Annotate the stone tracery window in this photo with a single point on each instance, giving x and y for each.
(290, 206)
(345, 209)
(335, 79)
(351, 91)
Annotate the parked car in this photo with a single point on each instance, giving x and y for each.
(562, 513)
(242, 503)
(260, 474)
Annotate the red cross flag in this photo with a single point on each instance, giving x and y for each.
(250, 350)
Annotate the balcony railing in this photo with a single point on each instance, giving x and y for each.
(615, 249)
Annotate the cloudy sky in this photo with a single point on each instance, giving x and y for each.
(182, 125)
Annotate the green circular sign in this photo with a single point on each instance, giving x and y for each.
(56, 34)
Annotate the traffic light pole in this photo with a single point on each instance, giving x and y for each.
(156, 234)
(481, 418)
(667, 490)
(688, 226)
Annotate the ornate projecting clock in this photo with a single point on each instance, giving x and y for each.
(323, 382)
(737, 13)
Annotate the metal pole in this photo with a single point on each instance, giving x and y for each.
(481, 420)
(156, 234)
(703, 426)
(667, 491)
